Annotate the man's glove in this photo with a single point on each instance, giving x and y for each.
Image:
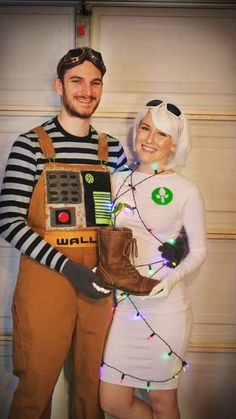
(175, 252)
(85, 281)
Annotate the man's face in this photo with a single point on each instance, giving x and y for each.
(81, 90)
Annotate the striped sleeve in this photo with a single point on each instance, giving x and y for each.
(17, 188)
(117, 158)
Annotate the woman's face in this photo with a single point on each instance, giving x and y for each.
(152, 145)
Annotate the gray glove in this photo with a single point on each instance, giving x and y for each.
(85, 281)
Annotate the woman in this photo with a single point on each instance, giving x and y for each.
(149, 335)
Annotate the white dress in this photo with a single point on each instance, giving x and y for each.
(147, 350)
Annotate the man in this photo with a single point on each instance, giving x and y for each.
(52, 306)
(55, 194)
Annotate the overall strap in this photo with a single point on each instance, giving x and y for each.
(47, 148)
(45, 142)
(102, 147)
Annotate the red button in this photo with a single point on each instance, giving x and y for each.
(63, 217)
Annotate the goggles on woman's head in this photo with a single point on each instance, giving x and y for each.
(78, 56)
(169, 106)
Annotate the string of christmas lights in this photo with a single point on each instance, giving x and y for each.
(134, 186)
(133, 189)
(153, 333)
(170, 352)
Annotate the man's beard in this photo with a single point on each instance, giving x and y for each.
(70, 109)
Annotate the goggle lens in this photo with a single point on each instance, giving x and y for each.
(79, 55)
(169, 106)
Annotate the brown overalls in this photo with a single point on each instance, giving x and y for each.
(50, 317)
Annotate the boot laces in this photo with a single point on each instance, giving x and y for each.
(130, 252)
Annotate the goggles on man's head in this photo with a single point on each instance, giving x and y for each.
(169, 106)
(78, 56)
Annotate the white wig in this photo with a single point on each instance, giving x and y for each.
(173, 125)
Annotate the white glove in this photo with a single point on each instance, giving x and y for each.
(164, 288)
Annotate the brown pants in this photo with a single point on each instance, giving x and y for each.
(50, 318)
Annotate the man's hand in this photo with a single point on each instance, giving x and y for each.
(85, 280)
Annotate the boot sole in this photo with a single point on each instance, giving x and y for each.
(110, 286)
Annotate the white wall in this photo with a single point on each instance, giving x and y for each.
(33, 40)
(187, 56)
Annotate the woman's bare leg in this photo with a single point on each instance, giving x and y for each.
(121, 402)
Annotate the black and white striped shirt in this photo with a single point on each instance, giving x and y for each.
(24, 167)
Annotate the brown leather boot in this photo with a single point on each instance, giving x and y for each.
(115, 246)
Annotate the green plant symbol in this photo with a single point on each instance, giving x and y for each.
(162, 196)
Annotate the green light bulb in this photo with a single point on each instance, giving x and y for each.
(154, 166)
(165, 356)
(150, 270)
